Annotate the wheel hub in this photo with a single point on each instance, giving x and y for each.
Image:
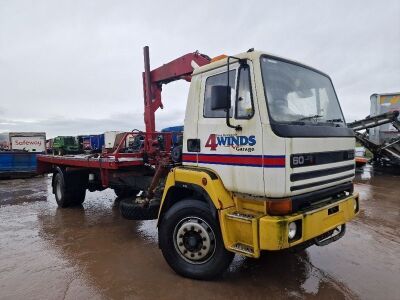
(194, 239)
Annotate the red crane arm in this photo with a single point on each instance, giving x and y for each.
(180, 68)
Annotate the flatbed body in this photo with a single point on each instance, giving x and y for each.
(107, 169)
(45, 162)
(124, 167)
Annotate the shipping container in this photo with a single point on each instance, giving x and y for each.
(96, 142)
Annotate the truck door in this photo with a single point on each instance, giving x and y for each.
(235, 155)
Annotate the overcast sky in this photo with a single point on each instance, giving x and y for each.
(74, 67)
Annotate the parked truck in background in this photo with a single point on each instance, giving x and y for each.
(266, 162)
(65, 145)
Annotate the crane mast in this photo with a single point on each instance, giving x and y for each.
(177, 69)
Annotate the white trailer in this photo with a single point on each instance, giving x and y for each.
(28, 141)
(109, 138)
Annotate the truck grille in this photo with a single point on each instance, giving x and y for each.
(299, 160)
(319, 173)
(312, 184)
(332, 173)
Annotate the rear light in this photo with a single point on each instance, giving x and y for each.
(279, 207)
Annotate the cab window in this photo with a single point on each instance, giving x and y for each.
(244, 99)
(219, 79)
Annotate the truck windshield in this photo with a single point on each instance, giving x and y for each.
(298, 95)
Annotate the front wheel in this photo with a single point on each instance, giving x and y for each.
(191, 241)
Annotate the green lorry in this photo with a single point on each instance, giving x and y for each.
(65, 145)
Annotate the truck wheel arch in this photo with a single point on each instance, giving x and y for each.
(198, 184)
(181, 191)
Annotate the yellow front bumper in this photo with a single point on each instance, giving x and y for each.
(273, 230)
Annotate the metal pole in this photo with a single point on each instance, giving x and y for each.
(148, 112)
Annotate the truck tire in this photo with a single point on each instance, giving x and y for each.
(68, 191)
(79, 197)
(63, 198)
(191, 241)
(132, 210)
(123, 192)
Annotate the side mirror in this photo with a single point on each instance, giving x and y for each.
(220, 97)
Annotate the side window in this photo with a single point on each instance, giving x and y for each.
(244, 100)
(219, 79)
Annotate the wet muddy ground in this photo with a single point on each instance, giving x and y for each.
(91, 252)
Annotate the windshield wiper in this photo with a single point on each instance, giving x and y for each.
(310, 117)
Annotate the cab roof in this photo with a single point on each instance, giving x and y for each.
(254, 56)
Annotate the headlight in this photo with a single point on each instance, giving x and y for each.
(292, 230)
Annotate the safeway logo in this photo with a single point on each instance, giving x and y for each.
(28, 143)
(239, 142)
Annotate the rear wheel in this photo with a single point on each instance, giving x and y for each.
(191, 241)
(79, 196)
(62, 197)
(69, 190)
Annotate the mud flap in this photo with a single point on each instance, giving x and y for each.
(331, 237)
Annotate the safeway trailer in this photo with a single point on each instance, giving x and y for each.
(266, 162)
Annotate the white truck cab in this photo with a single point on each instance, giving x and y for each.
(290, 137)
